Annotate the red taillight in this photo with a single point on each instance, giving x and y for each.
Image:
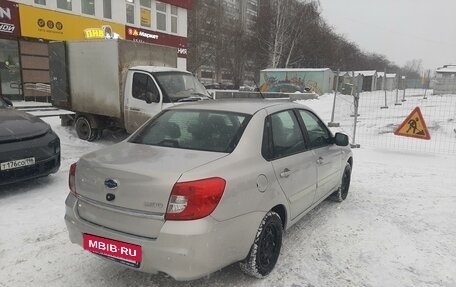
(194, 199)
(72, 179)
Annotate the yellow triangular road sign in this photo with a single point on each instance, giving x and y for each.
(414, 126)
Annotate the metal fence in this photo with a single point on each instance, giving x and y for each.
(380, 114)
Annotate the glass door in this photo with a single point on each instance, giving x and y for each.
(10, 69)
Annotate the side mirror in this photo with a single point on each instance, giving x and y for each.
(151, 98)
(8, 102)
(341, 139)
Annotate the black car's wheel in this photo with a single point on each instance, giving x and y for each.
(265, 250)
(341, 193)
(84, 129)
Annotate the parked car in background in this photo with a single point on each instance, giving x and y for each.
(28, 146)
(206, 184)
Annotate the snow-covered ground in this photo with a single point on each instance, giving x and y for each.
(396, 228)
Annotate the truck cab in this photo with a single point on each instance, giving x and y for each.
(149, 90)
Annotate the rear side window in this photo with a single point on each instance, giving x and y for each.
(194, 129)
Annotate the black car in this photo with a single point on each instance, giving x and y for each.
(28, 146)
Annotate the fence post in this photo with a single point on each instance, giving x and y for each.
(356, 87)
(426, 85)
(397, 103)
(404, 86)
(356, 104)
(332, 123)
(384, 88)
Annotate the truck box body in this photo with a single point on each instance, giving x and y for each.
(88, 76)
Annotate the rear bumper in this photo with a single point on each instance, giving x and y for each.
(185, 250)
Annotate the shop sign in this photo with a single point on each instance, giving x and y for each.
(153, 37)
(9, 19)
(51, 25)
(105, 32)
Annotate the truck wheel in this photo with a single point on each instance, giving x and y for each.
(84, 129)
(265, 250)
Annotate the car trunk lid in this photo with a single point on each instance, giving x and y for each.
(139, 179)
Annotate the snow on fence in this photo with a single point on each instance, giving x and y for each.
(380, 113)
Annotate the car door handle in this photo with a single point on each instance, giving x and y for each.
(320, 160)
(134, 109)
(286, 173)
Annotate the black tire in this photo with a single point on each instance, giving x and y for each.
(84, 129)
(265, 250)
(341, 193)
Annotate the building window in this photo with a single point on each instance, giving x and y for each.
(161, 16)
(64, 4)
(41, 2)
(107, 11)
(174, 19)
(131, 12)
(145, 12)
(88, 7)
(146, 3)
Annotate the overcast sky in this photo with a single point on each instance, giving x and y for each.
(402, 30)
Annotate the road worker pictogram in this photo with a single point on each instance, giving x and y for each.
(414, 126)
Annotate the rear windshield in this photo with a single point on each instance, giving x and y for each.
(194, 129)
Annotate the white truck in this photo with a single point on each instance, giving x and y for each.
(116, 83)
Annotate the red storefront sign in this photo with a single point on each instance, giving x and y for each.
(153, 37)
(9, 19)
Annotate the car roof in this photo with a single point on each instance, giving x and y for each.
(245, 106)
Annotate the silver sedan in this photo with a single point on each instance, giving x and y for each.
(206, 184)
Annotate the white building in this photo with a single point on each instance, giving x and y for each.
(390, 82)
(445, 80)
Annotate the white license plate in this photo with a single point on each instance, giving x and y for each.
(17, 163)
